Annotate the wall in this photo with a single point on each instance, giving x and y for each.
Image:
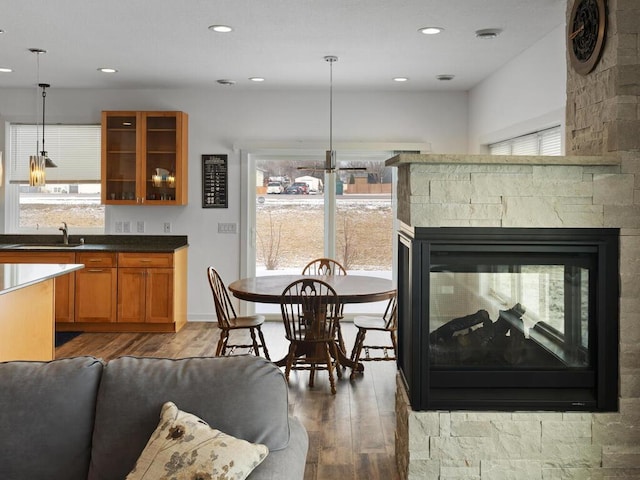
(526, 95)
(222, 117)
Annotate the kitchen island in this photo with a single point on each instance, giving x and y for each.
(27, 309)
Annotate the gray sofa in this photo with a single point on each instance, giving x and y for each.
(79, 418)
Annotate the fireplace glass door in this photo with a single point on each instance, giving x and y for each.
(509, 315)
(509, 318)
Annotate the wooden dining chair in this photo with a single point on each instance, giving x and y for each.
(228, 321)
(328, 266)
(388, 322)
(324, 266)
(309, 313)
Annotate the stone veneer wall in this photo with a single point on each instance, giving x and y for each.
(452, 190)
(603, 119)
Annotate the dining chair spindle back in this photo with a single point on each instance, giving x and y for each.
(328, 266)
(228, 321)
(309, 313)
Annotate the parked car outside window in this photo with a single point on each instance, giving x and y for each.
(302, 186)
(274, 187)
(294, 190)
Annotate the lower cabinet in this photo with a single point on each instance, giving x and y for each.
(64, 285)
(145, 288)
(117, 291)
(96, 287)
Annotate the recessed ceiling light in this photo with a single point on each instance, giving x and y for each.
(445, 77)
(221, 28)
(488, 33)
(400, 79)
(225, 81)
(256, 79)
(5, 70)
(430, 30)
(107, 70)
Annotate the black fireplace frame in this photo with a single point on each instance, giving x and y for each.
(592, 389)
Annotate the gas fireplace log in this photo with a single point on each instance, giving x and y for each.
(499, 342)
(444, 334)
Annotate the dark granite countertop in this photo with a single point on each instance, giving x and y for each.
(88, 243)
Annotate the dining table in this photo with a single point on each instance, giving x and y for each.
(349, 289)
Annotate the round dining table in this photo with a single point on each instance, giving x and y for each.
(349, 288)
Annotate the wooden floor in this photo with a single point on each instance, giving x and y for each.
(351, 434)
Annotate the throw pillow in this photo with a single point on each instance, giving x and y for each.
(184, 447)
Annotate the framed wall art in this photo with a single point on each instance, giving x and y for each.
(215, 181)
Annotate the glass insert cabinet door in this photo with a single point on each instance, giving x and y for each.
(144, 158)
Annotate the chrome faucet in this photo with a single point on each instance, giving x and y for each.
(65, 233)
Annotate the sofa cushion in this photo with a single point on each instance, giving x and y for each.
(243, 396)
(184, 447)
(47, 414)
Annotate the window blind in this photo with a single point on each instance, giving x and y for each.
(75, 149)
(544, 142)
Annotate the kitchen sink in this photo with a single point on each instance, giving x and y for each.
(45, 246)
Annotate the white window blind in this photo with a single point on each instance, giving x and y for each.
(75, 149)
(544, 142)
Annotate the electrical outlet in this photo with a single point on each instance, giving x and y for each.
(126, 227)
(118, 227)
(140, 226)
(167, 227)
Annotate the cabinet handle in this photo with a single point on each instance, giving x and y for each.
(94, 260)
(145, 260)
(95, 270)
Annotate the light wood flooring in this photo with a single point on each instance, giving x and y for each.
(351, 434)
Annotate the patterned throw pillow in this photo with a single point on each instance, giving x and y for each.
(183, 447)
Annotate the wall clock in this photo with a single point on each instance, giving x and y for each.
(586, 33)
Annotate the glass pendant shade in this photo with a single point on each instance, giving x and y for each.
(36, 170)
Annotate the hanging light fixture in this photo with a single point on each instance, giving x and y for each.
(48, 163)
(330, 164)
(39, 161)
(330, 157)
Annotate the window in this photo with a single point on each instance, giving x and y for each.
(72, 190)
(348, 216)
(544, 142)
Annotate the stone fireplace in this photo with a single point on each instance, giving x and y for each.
(546, 192)
(597, 185)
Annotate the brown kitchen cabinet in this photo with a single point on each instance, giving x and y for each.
(144, 158)
(64, 285)
(145, 288)
(116, 291)
(96, 287)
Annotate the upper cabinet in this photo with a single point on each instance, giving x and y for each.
(144, 158)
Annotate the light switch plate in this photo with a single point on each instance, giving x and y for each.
(227, 228)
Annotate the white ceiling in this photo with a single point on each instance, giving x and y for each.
(166, 43)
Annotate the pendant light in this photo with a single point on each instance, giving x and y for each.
(330, 156)
(39, 161)
(330, 165)
(48, 163)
